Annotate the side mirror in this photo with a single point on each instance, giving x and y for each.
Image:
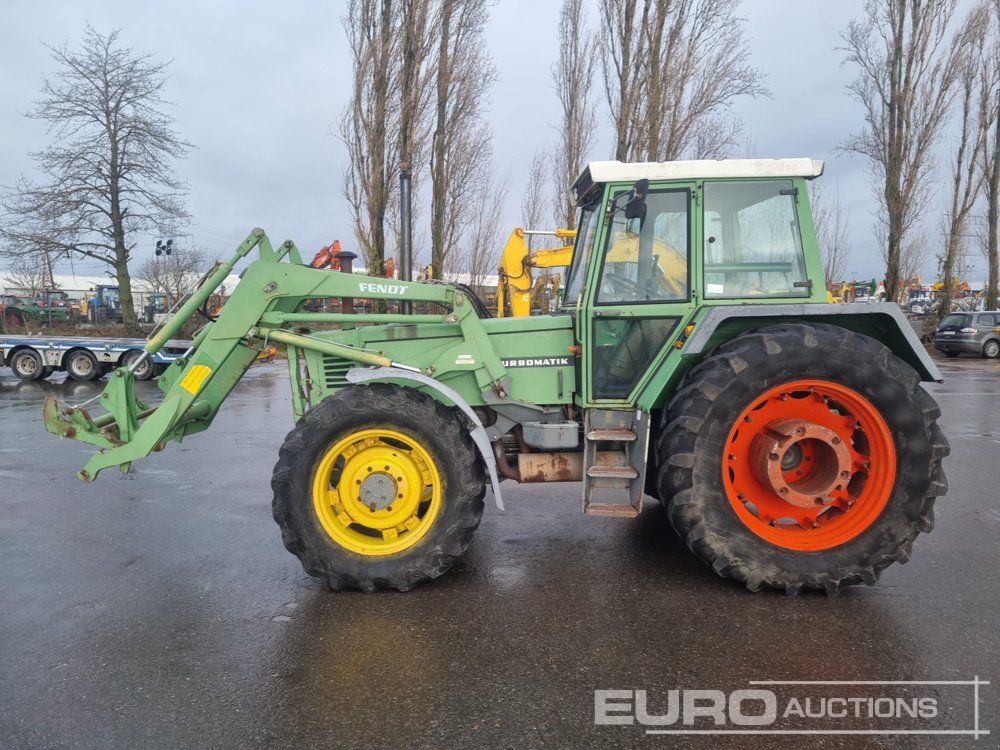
(636, 206)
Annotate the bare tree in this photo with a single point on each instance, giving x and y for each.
(367, 125)
(905, 83)
(174, 274)
(484, 235)
(624, 80)
(975, 79)
(533, 203)
(832, 224)
(416, 78)
(108, 174)
(461, 147)
(573, 75)
(27, 275)
(991, 162)
(916, 252)
(671, 71)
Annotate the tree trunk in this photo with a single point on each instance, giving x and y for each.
(948, 271)
(439, 187)
(993, 217)
(893, 254)
(125, 290)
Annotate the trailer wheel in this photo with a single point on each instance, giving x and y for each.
(27, 364)
(801, 456)
(378, 487)
(145, 371)
(82, 365)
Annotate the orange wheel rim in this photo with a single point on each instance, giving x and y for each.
(809, 465)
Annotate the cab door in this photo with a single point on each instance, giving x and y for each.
(639, 292)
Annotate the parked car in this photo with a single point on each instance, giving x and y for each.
(972, 333)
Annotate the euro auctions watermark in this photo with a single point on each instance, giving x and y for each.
(802, 707)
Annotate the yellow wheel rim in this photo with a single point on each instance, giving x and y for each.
(376, 492)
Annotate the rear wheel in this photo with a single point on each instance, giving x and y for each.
(817, 480)
(991, 349)
(144, 371)
(82, 365)
(378, 487)
(27, 364)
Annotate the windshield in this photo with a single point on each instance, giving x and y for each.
(585, 233)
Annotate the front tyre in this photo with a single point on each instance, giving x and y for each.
(801, 456)
(378, 487)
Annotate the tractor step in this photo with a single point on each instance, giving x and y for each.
(613, 472)
(614, 487)
(612, 435)
(612, 510)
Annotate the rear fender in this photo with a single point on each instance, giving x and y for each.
(883, 322)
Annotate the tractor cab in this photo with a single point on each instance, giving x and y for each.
(656, 242)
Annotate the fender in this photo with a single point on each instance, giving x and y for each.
(884, 322)
(478, 432)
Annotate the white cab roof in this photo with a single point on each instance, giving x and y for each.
(616, 171)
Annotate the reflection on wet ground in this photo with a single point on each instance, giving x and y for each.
(159, 608)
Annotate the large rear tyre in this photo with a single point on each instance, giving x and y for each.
(801, 456)
(378, 487)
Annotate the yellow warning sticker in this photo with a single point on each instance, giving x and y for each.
(193, 380)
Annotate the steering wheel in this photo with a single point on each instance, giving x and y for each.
(621, 289)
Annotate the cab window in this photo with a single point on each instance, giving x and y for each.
(585, 233)
(646, 260)
(753, 244)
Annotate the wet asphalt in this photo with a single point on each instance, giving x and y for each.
(159, 609)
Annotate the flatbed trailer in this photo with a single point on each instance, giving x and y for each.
(83, 357)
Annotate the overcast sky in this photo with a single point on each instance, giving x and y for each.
(258, 88)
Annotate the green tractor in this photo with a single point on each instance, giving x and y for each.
(693, 358)
(57, 307)
(18, 312)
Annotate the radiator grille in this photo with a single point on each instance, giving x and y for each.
(335, 372)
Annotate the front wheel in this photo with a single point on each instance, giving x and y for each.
(801, 456)
(378, 487)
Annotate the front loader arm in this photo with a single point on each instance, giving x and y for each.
(264, 308)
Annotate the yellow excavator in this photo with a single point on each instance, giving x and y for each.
(519, 291)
